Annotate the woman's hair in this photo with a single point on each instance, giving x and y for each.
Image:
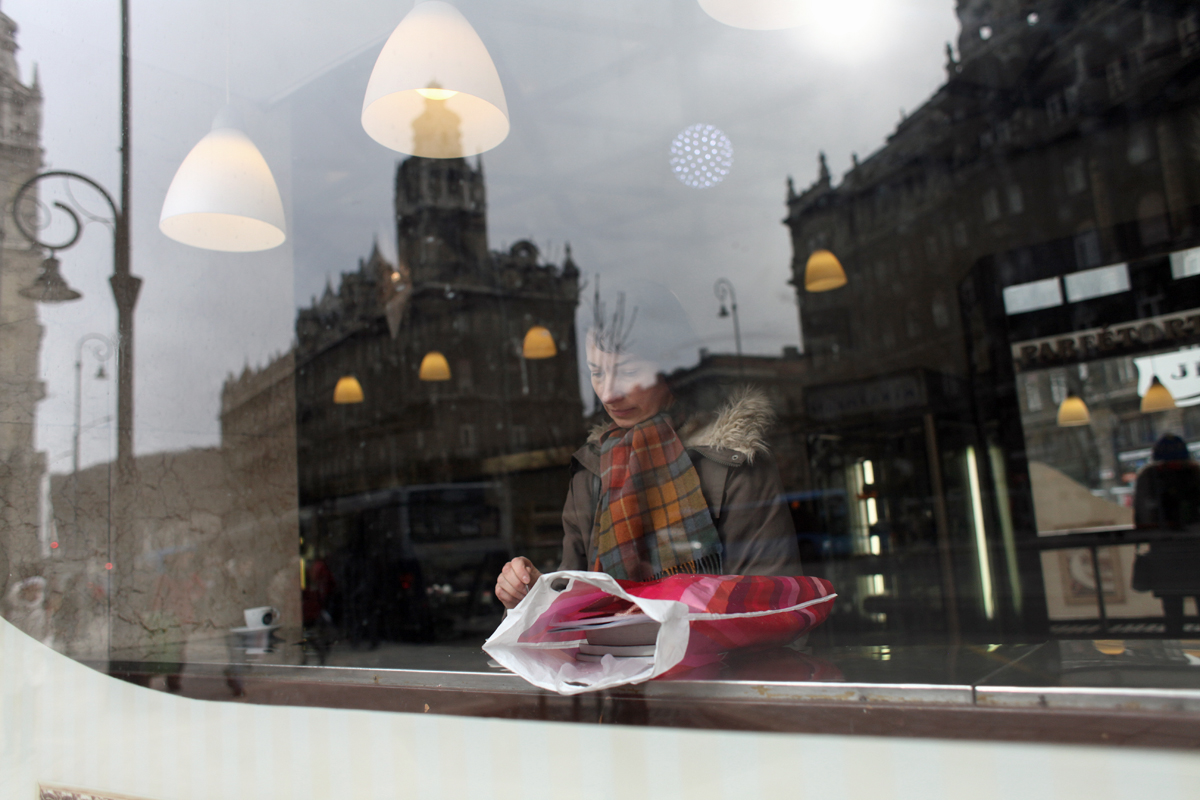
(646, 320)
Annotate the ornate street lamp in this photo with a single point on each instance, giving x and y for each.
(31, 217)
(102, 351)
(125, 287)
(723, 289)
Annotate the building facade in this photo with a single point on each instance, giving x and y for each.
(420, 475)
(22, 468)
(1097, 105)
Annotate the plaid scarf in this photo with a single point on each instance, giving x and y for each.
(652, 519)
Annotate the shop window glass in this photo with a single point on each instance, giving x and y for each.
(1097, 282)
(932, 353)
(1185, 263)
(1033, 296)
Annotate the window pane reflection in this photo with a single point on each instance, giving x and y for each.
(972, 345)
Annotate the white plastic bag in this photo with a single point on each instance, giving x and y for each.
(552, 665)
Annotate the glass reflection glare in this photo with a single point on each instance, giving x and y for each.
(701, 156)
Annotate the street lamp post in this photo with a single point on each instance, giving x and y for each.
(102, 352)
(723, 289)
(125, 288)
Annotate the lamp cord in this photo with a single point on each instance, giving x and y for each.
(228, 36)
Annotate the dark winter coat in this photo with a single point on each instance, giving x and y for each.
(738, 477)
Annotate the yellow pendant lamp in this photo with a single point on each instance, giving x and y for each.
(823, 272)
(1157, 398)
(434, 367)
(223, 196)
(1073, 412)
(539, 344)
(434, 91)
(348, 390)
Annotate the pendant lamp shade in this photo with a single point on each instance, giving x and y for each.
(1157, 398)
(1072, 412)
(823, 272)
(434, 91)
(348, 390)
(434, 367)
(539, 344)
(755, 15)
(223, 196)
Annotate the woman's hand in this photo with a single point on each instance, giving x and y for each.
(514, 581)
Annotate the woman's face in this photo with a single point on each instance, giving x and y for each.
(629, 387)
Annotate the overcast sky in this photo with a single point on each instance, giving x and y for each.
(596, 93)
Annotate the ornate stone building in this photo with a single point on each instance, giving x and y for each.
(433, 483)
(1063, 141)
(22, 469)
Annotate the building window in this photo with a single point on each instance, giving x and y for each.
(462, 371)
(1074, 176)
(1188, 29)
(519, 435)
(1152, 219)
(1087, 248)
(1099, 282)
(1033, 393)
(941, 314)
(960, 233)
(1115, 72)
(1139, 146)
(991, 205)
(912, 324)
(1016, 200)
(1032, 296)
(1058, 387)
(1054, 109)
(466, 439)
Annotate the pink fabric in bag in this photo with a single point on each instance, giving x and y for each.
(726, 612)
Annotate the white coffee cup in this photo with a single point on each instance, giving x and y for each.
(261, 617)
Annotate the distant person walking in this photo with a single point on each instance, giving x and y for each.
(1167, 498)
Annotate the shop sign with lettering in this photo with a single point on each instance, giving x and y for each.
(1122, 339)
(1179, 372)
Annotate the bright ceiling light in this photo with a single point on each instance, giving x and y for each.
(224, 197)
(434, 55)
(436, 94)
(847, 31)
(756, 15)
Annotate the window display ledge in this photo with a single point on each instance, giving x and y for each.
(1077, 715)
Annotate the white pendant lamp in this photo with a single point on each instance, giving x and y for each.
(434, 91)
(223, 196)
(756, 15)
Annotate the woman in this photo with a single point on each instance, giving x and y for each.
(662, 490)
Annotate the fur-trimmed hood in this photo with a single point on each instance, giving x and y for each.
(740, 424)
